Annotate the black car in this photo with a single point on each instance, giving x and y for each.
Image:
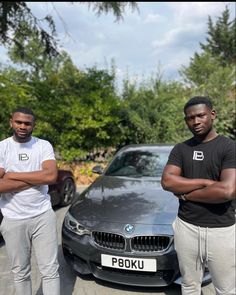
(63, 191)
(120, 229)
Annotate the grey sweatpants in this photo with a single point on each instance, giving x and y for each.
(41, 233)
(197, 247)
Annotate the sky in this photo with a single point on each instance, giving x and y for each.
(160, 38)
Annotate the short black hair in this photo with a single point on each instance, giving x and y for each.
(198, 100)
(24, 110)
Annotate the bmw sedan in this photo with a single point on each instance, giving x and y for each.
(120, 228)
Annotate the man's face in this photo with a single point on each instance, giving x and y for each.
(22, 125)
(199, 119)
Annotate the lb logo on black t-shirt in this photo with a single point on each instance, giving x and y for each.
(23, 157)
(198, 155)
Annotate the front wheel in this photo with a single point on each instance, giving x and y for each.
(67, 192)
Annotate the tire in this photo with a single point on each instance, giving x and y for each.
(67, 193)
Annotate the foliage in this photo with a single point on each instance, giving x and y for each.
(14, 90)
(200, 68)
(220, 87)
(82, 115)
(221, 41)
(150, 110)
(212, 72)
(118, 8)
(92, 114)
(77, 111)
(82, 171)
(14, 15)
(16, 19)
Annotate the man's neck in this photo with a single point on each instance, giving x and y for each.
(207, 137)
(21, 140)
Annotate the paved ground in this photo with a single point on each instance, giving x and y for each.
(75, 285)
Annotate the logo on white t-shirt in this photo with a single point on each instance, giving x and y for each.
(198, 155)
(23, 157)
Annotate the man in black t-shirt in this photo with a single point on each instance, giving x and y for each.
(201, 173)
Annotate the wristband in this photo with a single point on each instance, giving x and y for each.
(183, 197)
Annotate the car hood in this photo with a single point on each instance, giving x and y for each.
(126, 200)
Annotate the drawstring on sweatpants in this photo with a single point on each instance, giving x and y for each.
(206, 245)
(200, 245)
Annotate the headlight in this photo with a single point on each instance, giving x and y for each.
(73, 225)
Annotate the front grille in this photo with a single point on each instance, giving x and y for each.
(150, 243)
(109, 240)
(138, 243)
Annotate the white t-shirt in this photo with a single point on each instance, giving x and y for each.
(25, 157)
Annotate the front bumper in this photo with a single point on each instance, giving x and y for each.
(84, 256)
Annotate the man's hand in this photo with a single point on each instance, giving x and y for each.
(219, 192)
(184, 196)
(8, 186)
(173, 181)
(47, 175)
(200, 190)
(2, 172)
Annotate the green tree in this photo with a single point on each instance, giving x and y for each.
(14, 91)
(34, 57)
(93, 120)
(77, 111)
(221, 38)
(14, 16)
(200, 68)
(153, 112)
(212, 72)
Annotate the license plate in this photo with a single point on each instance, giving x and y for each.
(138, 264)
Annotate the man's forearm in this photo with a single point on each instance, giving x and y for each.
(216, 193)
(33, 178)
(7, 186)
(178, 184)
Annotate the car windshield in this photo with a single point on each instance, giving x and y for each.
(138, 163)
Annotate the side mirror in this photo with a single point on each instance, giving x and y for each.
(97, 169)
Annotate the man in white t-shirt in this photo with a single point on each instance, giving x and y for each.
(27, 166)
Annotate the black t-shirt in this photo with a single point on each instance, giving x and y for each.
(205, 160)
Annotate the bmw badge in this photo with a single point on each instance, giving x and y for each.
(129, 228)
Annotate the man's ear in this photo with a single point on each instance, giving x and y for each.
(10, 122)
(213, 114)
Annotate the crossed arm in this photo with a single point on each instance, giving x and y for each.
(7, 186)
(200, 190)
(17, 181)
